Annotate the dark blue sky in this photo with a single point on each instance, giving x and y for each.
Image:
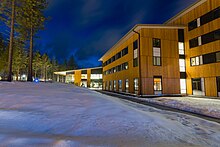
(88, 28)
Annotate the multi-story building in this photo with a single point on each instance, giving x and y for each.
(179, 57)
(90, 77)
(202, 46)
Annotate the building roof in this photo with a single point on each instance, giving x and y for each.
(67, 71)
(137, 28)
(185, 11)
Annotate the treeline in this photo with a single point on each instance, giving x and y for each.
(43, 66)
(24, 18)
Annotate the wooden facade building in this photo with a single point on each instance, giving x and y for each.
(181, 56)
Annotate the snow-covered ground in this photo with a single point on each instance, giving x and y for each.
(60, 115)
(205, 106)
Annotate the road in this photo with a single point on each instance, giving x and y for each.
(63, 115)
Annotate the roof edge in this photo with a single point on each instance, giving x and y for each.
(137, 27)
(184, 11)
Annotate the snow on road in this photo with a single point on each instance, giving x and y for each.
(60, 115)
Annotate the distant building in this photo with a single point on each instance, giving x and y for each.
(90, 77)
(181, 56)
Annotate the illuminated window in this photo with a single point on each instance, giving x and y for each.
(157, 85)
(181, 48)
(114, 85)
(183, 86)
(136, 86)
(126, 85)
(182, 65)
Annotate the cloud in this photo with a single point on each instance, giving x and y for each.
(88, 28)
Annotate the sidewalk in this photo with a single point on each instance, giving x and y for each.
(202, 106)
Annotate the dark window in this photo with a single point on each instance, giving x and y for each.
(125, 51)
(182, 75)
(216, 13)
(193, 43)
(135, 62)
(118, 68)
(212, 15)
(113, 58)
(181, 35)
(209, 58)
(218, 86)
(192, 25)
(196, 84)
(210, 37)
(218, 57)
(135, 44)
(156, 42)
(118, 55)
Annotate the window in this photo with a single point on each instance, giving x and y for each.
(118, 55)
(193, 43)
(218, 57)
(156, 56)
(210, 37)
(156, 52)
(135, 62)
(212, 15)
(198, 86)
(157, 85)
(218, 86)
(181, 35)
(181, 48)
(196, 61)
(113, 59)
(136, 86)
(209, 58)
(118, 68)
(120, 85)
(114, 86)
(199, 40)
(126, 85)
(125, 51)
(135, 54)
(192, 25)
(135, 44)
(125, 66)
(182, 65)
(157, 61)
(183, 86)
(208, 17)
(156, 42)
(110, 85)
(96, 76)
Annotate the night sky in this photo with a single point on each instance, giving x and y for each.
(88, 28)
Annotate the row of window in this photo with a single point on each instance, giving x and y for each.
(112, 84)
(117, 56)
(205, 59)
(204, 39)
(208, 17)
(118, 68)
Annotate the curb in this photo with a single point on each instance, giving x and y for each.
(158, 106)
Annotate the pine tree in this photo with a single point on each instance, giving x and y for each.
(37, 63)
(19, 58)
(7, 13)
(71, 63)
(32, 20)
